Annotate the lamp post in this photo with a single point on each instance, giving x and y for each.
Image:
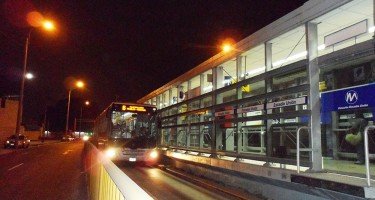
(49, 26)
(87, 103)
(78, 84)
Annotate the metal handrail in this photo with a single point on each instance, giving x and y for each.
(367, 154)
(298, 149)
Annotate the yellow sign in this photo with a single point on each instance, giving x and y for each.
(133, 108)
(245, 88)
(322, 86)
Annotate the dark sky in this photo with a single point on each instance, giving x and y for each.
(120, 48)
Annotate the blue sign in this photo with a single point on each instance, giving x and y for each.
(362, 96)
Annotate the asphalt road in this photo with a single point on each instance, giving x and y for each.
(51, 171)
(164, 186)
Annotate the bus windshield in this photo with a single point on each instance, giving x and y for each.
(127, 125)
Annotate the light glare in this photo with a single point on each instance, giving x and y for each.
(154, 154)
(227, 47)
(29, 76)
(110, 153)
(85, 138)
(48, 25)
(80, 84)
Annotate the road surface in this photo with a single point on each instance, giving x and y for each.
(164, 186)
(52, 171)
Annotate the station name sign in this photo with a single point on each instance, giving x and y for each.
(223, 113)
(289, 102)
(250, 109)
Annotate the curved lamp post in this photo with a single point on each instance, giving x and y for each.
(48, 26)
(78, 84)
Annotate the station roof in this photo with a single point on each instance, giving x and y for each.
(307, 12)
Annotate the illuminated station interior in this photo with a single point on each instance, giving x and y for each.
(297, 83)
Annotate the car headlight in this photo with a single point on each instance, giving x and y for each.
(85, 138)
(7, 141)
(154, 154)
(110, 153)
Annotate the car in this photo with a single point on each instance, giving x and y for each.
(23, 141)
(67, 138)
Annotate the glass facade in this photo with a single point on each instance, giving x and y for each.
(252, 104)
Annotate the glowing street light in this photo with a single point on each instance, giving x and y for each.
(29, 76)
(49, 27)
(227, 47)
(78, 84)
(87, 103)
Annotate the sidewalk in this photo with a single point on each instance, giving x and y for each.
(33, 143)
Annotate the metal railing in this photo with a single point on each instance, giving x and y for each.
(106, 181)
(367, 160)
(298, 149)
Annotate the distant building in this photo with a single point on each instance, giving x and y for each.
(8, 117)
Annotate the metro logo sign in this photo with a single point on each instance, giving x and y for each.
(351, 97)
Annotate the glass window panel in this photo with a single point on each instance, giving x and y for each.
(181, 136)
(195, 89)
(183, 95)
(194, 105)
(194, 136)
(226, 74)
(206, 102)
(206, 131)
(251, 89)
(165, 99)
(182, 108)
(226, 96)
(253, 62)
(182, 119)
(207, 82)
(253, 137)
(174, 96)
(338, 20)
(289, 80)
(289, 47)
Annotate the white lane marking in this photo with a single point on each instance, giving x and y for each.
(66, 152)
(15, 167)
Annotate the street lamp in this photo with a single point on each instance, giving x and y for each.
(87, 103)
(29, 75)
(227, 47)
(20, 102)
(78, 84)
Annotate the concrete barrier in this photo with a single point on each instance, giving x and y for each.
(106, 181)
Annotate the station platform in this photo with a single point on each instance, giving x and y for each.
(341, 179)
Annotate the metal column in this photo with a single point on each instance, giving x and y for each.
(268, 82)
(314, 99)
(240, 70)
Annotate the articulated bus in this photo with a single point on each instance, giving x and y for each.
(127, 132)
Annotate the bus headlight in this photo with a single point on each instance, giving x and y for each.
(154, 154)
(110, 153)
(85, 138)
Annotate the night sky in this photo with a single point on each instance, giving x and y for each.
(121, 49)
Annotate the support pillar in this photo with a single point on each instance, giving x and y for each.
(314, 99)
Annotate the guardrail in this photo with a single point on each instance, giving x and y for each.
(106, 181)
(367, 160)
(298, 149)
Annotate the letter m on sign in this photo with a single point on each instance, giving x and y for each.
(351, 97)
